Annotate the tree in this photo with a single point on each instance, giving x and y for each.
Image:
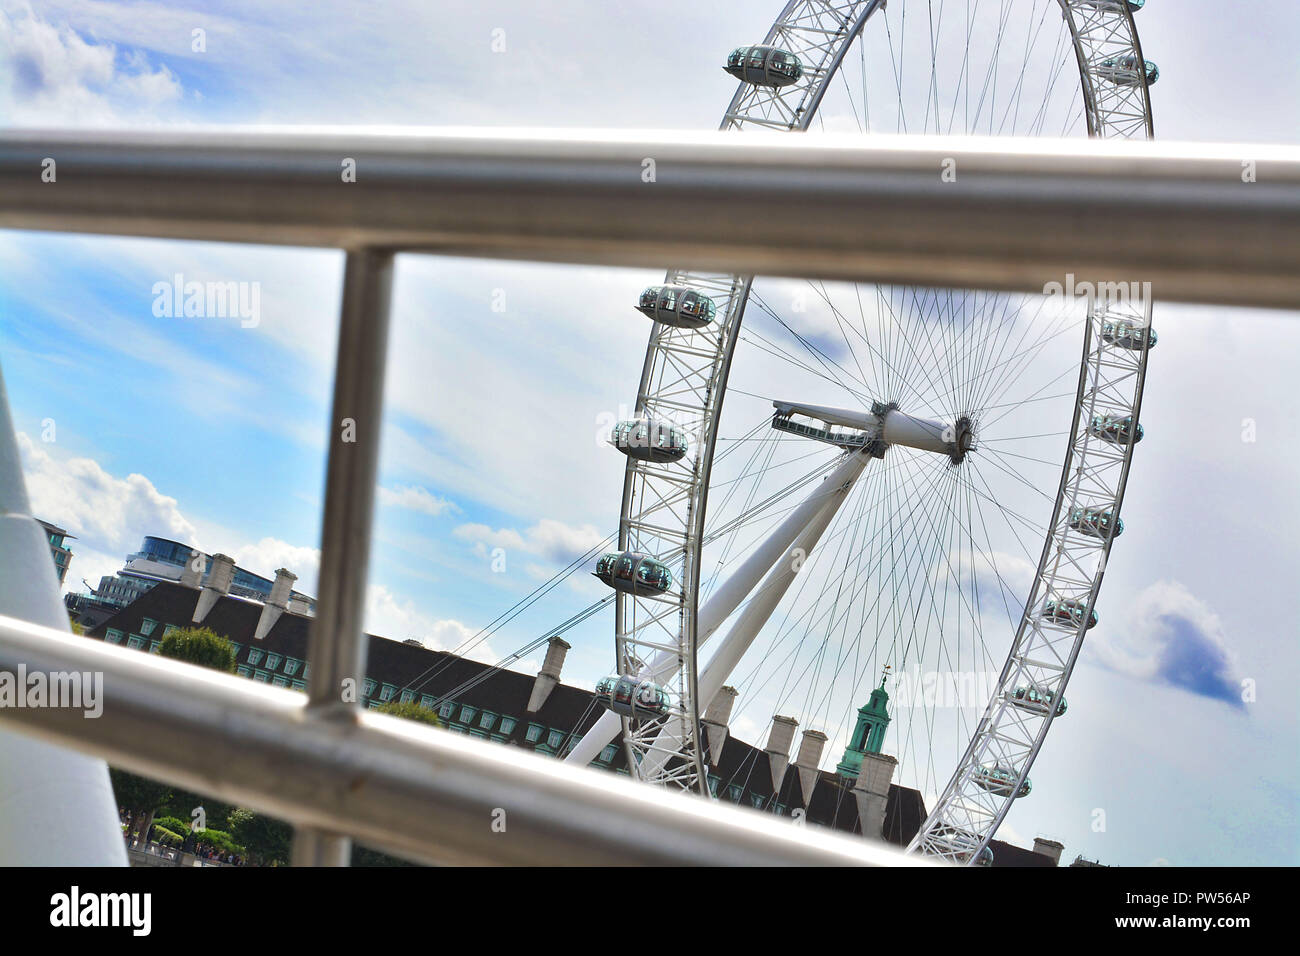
(141, 796)
(410, 710)
(199, 645)
(266, 840)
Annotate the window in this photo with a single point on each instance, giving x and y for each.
(147, 626)
(467, 714)
(255, 656)
(243, 670)
(306, 671)
(534, 733)
(263, 676)
(426, 700)
(733, 793)
(236, 648)
(408, 696)
(555, 738)
(607, 754)
(446, 708)
(273, 661)
(713, 784)
(291, 665)
(387, 691)
(299, 685)
(154, 645)
(478, 733)
(113, 636)
(367, 687)
(279, 680)
(507, 725)
(169, 630)
(756, 799)
(135, 642)
(487, 720)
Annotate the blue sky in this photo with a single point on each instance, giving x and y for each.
(203, 430)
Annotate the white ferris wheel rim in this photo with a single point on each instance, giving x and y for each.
(1100, 30)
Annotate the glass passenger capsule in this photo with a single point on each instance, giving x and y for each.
(634, 573)
(1039, 701)
(1116, 429)
(985, 857)
(764, 66)
(677, 305)
(1124, 71)
(1133, 5)
(1096, 522)
(1069, 613)
(999, 780)
(1128, 336)
(648, 440)
(631, 697)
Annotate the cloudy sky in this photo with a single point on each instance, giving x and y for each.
(202, 430)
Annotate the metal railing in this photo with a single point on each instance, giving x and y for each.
(1020, 215)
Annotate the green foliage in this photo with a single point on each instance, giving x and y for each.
(266, 840)
(138, 794)
(199, 645)
(165, 835)
(220, 840)
(411, 710)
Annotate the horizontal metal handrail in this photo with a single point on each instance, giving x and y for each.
(1199, 223)
(415, 790)
(1207, 223)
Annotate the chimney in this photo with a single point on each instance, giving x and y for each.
(778, 748)
(218, 586)
(872, 792)
(549, 675)
(715, 721)
(275, 604)
(1049, 848)
(809, 759)
(192, 576)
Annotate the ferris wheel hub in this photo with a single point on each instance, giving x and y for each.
(876, 430)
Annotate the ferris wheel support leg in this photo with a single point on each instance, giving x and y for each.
(756, 614)
(728, 596)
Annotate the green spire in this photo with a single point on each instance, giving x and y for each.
(869, 734)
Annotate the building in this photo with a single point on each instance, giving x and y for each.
(58, 539)
(161, 559)
(541, 713)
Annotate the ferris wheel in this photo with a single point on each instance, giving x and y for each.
(921, 481)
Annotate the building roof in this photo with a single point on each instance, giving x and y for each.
(55, 529)
(472, 690)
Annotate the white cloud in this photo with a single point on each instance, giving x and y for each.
(548, 538)
(52, 75)
(396, 618)
(268, 555)
(415, 498)
(1170, 636)
(108, 513)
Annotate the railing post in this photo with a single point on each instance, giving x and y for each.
(337, 653)
(56, 807)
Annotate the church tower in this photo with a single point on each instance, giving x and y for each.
(869, 734)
